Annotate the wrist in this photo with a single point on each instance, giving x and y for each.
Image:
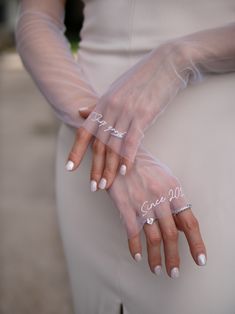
(185, 59)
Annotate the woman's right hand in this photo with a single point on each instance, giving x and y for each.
(150, 190)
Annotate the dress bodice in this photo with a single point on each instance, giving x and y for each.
(117, 33)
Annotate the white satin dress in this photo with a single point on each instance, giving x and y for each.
(194, 137)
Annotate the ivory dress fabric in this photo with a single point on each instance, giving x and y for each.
(194, 137)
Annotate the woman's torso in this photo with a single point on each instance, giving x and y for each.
(194, 137)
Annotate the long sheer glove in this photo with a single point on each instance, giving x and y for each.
(46, 55)
(135, 100)
(149, 191)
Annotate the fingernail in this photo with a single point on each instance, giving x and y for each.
(138, 257)
(175, 272)
(122, 170)
(83, 109)
(158, 270)
(102, 183)
(70, 165)
(201, 259)
(93, 185)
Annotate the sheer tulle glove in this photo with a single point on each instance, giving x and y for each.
(151, 197)
(46, 54)
(148, 192)
(135, 100)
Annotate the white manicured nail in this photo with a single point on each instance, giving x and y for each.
(122, 170)
(158, 270)
(93, 185)
(102, 183)
(83, 109)
(70, 165)
(138, 257)
(201, 259)
(175, 272)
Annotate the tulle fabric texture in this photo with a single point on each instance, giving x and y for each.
(129, 107)
(47, 56)
(147, 193)
(136, 99)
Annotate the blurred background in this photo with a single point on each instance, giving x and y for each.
(33, 276)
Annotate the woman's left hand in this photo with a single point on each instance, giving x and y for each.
(121, 116)
(105, 162)
(150, 191)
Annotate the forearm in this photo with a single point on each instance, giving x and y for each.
(210, 51)
(46, 55)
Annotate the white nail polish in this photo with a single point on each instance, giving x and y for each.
(175, 272)
(102, 183)
(93, 185)
(122, 170)
(158, 270)
(138, 257)
(83, 109)
(70, 165)
(201, 259)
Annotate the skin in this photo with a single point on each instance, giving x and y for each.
(105, 164)
(164, 231)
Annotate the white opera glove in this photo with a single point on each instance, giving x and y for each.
(149, 191)
(46, 55)
(135, 100)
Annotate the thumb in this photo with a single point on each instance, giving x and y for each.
(85, 111)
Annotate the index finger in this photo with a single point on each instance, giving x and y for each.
(79, 148)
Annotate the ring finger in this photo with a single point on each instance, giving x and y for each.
(170, 239)
(153, 240)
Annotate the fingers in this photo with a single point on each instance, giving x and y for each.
(79, 148)
(170, 239)
(188, 223)
(105, 164)
(98, 160)
(111, 166)
(153, 239)
(135, 247)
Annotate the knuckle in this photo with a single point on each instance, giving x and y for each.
(98, 147)
(199, 247)
(108, 172)
(191, 224)
(154, 240)
(173, 261)
(129, 141)
(95, 174)
(157, 188)
(113, 101)
(170, 234)
(109, 150)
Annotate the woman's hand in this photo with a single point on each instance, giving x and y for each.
(149, 191)
(130, 106)
(136, 99)
(121, 116)
(105, 162)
